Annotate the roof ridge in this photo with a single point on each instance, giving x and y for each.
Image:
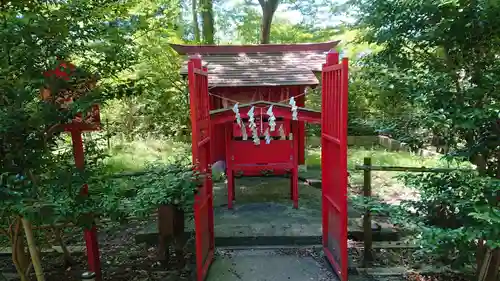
(263, 48)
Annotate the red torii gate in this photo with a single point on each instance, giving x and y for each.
(80, 123)
(334, 161)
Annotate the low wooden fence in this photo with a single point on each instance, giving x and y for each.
(367, 169)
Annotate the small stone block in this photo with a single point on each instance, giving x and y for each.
(383, 271)
(314, 183)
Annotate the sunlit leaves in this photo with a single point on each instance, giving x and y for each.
(453, 210)
(36, 37)
(438, 55)
(439, 69)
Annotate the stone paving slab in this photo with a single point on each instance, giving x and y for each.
(267, 265)
(268, 219)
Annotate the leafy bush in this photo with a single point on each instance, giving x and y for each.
(355, 127)
(455, 210)
(360, 127)
(404, 128)
(140, 194)
(174, 185)
(53, 194)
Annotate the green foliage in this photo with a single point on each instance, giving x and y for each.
(36, 163)
(454, 210)
(176, 186)
(140, 194)
(439, 64)
(157, 103)
(243, 20)
(54, 195)
(436, 82)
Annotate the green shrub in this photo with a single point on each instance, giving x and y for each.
(454, 211)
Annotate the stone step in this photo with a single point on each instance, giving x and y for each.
(151, 238)
(383, 271)
(7, 251)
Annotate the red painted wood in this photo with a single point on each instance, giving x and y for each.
(229, 166)
(247, 94)
(263, 48)
(286, 128)
(280, 156)
(90, 235)
(294, 179)
(334, 162)
(301, 102)
(247, 153)
(218, 142)
(279, 111)
(259, 169)
(227, 97)
(201, 149)
(245, 158)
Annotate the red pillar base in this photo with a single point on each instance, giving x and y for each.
(295, 187)
(230, 189)
(93, 252)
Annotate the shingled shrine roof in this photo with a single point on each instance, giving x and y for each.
(259, 65)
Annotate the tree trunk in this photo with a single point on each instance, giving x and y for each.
(488, 269)
(207, 16)
(196, 24)
(35, 255)
(19, 256)
(67, 259)
(488, 260)
(492, 274)
(269, 7)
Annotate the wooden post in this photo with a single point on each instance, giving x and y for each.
(90, 235)
(367, 219)
(171, 232)
(489, 266)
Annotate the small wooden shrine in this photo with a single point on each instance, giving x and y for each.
(247, 151)
(265, 85)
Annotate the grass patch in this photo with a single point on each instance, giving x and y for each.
(385, 185)
(136, 155)
(380, 157)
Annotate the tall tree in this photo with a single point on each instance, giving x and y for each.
(207, 15)
(196, 24)
(269, 8)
